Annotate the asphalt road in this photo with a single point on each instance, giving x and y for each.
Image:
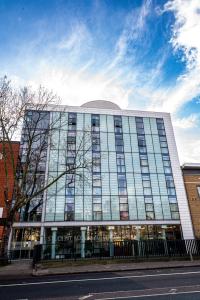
(168, 284)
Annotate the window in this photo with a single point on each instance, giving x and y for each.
(120, 159)
(149, 210)
(123, 215)
(147, 191)
(95, 121)
(97, 207)
(198, 190)
(123, 200)
(96, 200)
(150, 215)
(70, 191)
(122, 191)
(164, 150)
(161, 132)
(172, 199)
(122, 180)
(145, 177)
(141, 140)
(121, 169)
(144, 162)
(166, 163)
(144, 169)
(96, 190)
(97, 215)
(96, 168)
(171, 191)
(96, 180)
(142, 149)
(148, 199)
(119, 149)
(95, 148)
(69, 207)
(167, 170)
(146, 184)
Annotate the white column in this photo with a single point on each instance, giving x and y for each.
(138, 236)
(111, 245)
(164, 238)
(53, 242)
(83, 233)
(9, 241)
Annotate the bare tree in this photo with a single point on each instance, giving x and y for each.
(26, 112)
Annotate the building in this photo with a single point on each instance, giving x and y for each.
(136, 189)
(191, 176)
(6, 185)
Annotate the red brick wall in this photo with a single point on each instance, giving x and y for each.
(15, 147)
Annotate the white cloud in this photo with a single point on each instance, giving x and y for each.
(74, 40)
(187, 122)
(188, 145)
(77, 87)
(186, 37)
(135, 25)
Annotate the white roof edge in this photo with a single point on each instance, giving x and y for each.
(61, 108)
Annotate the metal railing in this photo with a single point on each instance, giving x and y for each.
(134, 249)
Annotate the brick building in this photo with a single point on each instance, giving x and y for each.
(3, 192)
(191, 176)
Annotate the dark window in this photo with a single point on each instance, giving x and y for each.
(123, 215)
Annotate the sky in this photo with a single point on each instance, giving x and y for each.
(142, 55)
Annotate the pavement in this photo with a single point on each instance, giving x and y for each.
(23, 268)
(41, 270)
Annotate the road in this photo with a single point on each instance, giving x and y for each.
(168, 284)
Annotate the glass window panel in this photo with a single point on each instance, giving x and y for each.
(123, 200)
(140, 130)
(145, 177)
(145, 169)
(122, 191)
(147, 191)
(97, 215)
(69, 207)
(164, 150)
(96, 191)
(123, 207)
(172, 199)
(70, 191)
(96, 199)
(142, 149)
(121, 169)
(144, 162)
(175, 216)
(150, 215)
(96, 207)
(148, 200)
(167, 170)
(96, 168)
(146, 184)
(161, 132)
(174, 207)
(123, 215)
(163, 144)
(149, 207)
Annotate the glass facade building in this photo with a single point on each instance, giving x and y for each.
(133, 188)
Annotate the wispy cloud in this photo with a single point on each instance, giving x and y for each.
(185, 38)
(186, 122)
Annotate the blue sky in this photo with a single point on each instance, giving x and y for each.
(139, 54)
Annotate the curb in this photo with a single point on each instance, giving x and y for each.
(46, 272)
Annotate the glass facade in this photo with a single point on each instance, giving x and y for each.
(131, 176)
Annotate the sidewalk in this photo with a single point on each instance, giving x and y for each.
(18, 268)
(24, 269)
(41, 270)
